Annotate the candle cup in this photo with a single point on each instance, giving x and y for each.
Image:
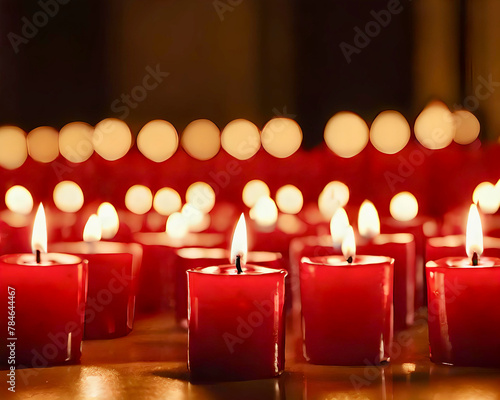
(464, 322)
(197, 257)
(347, 309)
(236, 323)
(46, 303)
(113, 280)
(454, 245)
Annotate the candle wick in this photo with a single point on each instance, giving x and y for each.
(38, 256)
(349, 260)
(475, 259)
(238, 264)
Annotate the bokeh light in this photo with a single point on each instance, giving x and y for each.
(281, 137)
(201, 139)
(289, 199)
(167, 201)
(390, 132)
(18, 199)
(68, 196)
(201, 195)
(75, 141)
(193, 215)
(334, 195)
(139, 199)
(158, 140)
(13, 147)
(435, 127)
(112, 139)
(241, 139)
(403, 206)
(264, 212)
(467, 127)
(253, 190)
(346, 134)
(43, 144)
(486, 196)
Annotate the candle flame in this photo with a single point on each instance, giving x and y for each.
(239, 246)
(39, 236)
(349, 244)
(368, 220)
(92, 230)
(338, 226)
(403, 206)
(474, 235)
(110, 222)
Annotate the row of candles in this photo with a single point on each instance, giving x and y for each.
(350, 303)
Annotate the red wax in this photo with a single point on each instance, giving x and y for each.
(236, 323)
(454, 246)
(400, 246)
(47, 309)
(157, 280)
(346, 309)
(113, 280)
(464, 322)
(196, 257)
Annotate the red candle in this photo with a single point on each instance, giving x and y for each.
(235, 319)
(45, 299)
(190, 257)
(463, 294)
(453, 245)
(347, 307)
(112, 282)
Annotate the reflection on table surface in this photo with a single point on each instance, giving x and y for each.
(150, 363)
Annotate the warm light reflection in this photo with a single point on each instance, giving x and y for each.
(254, 190)
(193, 215)
(92, 230)
(68, 196)
(265, 212)
(201, 195)
(403, 206)
(349, 244)
(75, 141)
(112, 139)
(241, 139)
(368, 220)
(281, 137)
(13, 147)
(289, 199)
(139, 199)
(109, 220)
(167, 201)
(334, 195)
(18, 199)
(487, 197)
(43, 144)
(346, 134)
(474, 234)
(389, 132)
(239, 246)
(467, 127)
(435, 127)
(201, 139)
(158, 140)
(338, 226)
(177, 226)
(39, 236)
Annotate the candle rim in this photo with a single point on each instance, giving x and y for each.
(253, 256)
(56, 259)
(232, 269)
(322, 261)
(134, 249)
(447, 262)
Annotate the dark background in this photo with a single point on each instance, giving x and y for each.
(237, 59)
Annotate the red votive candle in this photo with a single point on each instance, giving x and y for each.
(190, 257)
(235, 318)
(43, 323)
(113, 279)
